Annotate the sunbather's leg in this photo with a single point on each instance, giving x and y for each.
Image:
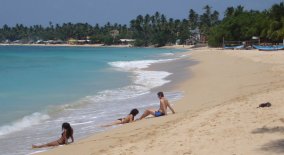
(147, 113)
(114, 123)
(54, 143)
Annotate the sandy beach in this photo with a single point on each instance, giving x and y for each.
(217, 115)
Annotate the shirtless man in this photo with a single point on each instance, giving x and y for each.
(164, 104)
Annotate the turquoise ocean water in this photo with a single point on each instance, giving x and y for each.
(42, 87)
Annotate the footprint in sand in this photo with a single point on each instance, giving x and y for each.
(133, 148)
(123, 153)
(175, 134)
(102, 151)
(203, 124)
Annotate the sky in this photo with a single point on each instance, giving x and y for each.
(31, 12)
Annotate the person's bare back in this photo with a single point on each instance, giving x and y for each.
(164, 104)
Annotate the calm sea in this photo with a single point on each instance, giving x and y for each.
(42, 87)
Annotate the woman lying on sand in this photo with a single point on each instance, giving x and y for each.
(128, 119)
(66, 134)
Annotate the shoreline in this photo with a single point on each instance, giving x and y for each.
(67, 45)
(183, 47)
(77, 104)
(225, 85)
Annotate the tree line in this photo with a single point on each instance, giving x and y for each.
(63, 32)
(240, 25)
(158, 30)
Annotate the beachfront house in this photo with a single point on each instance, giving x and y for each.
(53, 42)
(196, 36)
(39, 42)
(114, 33)
(7, 41)
(83, 41)
(178, 42)
(72, 41)
(128, 42)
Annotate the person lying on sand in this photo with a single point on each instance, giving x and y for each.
(164, 104)
(66, 134)
(128, 119)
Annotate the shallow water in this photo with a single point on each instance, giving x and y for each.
(42, 87)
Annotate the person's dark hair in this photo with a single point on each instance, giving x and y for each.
(69, 130)
(160, 94)
(134, 112)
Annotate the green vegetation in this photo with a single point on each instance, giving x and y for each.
(240, 25)
(64, 32)
(157, 30)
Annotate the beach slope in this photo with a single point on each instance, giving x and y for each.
(217, 115)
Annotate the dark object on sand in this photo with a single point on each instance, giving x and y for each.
(262, 105)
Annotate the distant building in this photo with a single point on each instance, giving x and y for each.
(7, 41)
(17, 42)
(127, 41)
(196, 37)
(71, 41)
(39, 42)
(114, 33)
(178, 42)
(84, 41)
(78, 42)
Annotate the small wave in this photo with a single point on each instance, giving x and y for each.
(88, 122)
(184, 55)
(143, 80)
(25, 122)
(119, 94)
(151, 79)
(167, 54)
(148, 79)
(36, 152)
(136, 65)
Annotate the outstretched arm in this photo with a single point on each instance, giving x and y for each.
(114, 123)
(171, 108)
(72, 138)
(131, 118)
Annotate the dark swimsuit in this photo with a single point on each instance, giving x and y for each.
(158, 114)
(121, 119)
(58, 141)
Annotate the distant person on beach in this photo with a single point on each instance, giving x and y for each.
(66, 134)
(164, 104)
(128, 119)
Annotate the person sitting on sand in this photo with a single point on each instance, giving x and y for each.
(164, 104)
(128, 119)
(66, 134)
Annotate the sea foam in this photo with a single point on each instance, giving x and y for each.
(25, 122)
(141, 77)
(143, 82)
(139, 64)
